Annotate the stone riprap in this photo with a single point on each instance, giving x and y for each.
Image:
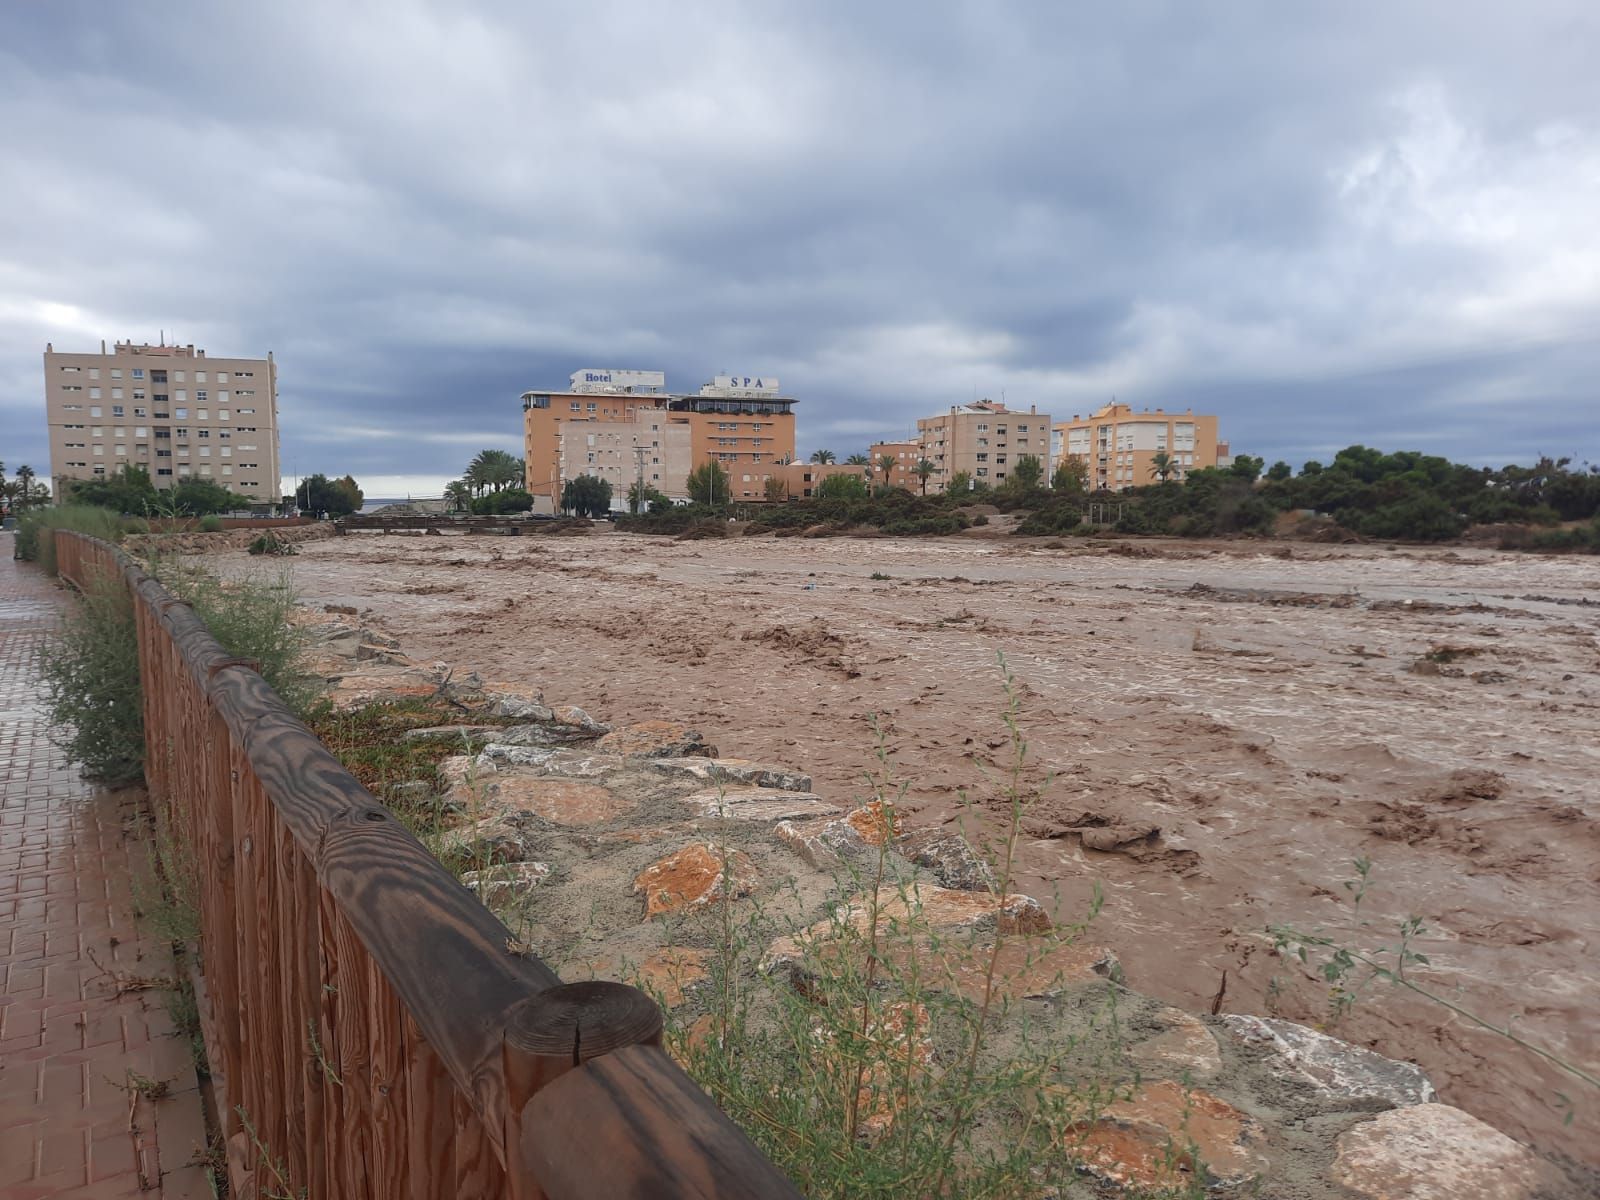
(615, 852)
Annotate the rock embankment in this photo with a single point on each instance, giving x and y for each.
(600, 845)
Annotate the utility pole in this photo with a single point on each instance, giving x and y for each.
(638, 454)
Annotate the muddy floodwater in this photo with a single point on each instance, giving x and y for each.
(1250, 718)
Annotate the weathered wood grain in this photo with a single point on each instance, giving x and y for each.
(651, 1134)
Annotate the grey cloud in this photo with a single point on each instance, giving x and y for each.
(1360, 223)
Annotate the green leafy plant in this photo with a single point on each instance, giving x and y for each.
(92, 686)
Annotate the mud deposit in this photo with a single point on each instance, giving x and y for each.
(1218, 732)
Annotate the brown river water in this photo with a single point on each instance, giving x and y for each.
(1267, 714)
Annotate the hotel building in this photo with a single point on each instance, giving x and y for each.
(985, 439)
(626, 427)
(168, 409)
(1119, 444)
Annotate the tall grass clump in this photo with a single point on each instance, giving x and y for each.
(92, 681)
(36, 541)
(878, 1055)
(92, 686)
(252, 617)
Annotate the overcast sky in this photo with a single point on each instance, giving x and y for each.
(1328, 222)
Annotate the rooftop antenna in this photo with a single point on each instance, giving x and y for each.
(163, 337)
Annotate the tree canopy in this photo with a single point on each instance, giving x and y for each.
(708, 483)
(319, 496)
(587, 496)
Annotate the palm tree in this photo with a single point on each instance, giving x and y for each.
(886, 465)
(494, 469)
(857, 460)
(822, 456)
(459, 493)
(924, 468)
(1161, 465)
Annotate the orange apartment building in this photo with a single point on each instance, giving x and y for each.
(985, 439)
(625, 426)
(904, 472)
(1119, 445)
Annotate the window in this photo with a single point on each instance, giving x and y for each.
(138, 394)
(222, 377)
(163, 435)
(138, 372)
(180, 395)
(183, 433)
(177, 376)
(116, 393)
(116, 410)
(181, 413)
(99, 431)
(577, 407)
(163, 453)
(158, 376)
(227, 470)
(163, 470)
(199, 376)
(592, 405)
(139, 412)
(94, 393)
(982, 471)
(99, 449)
(122, 451)
(94, 411)
(201, 414)
(200, 396)
(250, 412)
(141, 431)
(116, 372)
(205, 451)
(225, 452)
(73, 370)
(222, 415)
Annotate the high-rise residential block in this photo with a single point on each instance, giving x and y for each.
(984, 439)
(168, 409)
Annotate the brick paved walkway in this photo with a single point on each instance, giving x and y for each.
(69, 1124)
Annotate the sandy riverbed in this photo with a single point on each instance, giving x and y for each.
(1273, 738)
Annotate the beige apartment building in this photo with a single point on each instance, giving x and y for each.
(168, 409)
(985, 439)
(904, 472)
(625, 426)
(1119, 445)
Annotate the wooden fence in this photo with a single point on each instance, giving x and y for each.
(376, 1031)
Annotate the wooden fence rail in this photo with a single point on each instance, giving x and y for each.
(377, 1034)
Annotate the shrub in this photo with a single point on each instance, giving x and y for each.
(271, 543)
(210, 523)
(980, 519)
(92, 686)
(926, 526)
(36, 530)
(250, 617)
(508, 500)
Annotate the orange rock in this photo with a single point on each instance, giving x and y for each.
(921, 906)
(1164, 1134)
(668, 973)
(874, 822)
(896, 1052)
(697, 874)
(560, 800)
(654, 739)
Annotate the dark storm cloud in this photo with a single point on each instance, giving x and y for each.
(1357, 223)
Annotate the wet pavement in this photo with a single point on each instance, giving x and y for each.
(86, 1041)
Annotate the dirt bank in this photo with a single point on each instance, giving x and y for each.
(1229, 748)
